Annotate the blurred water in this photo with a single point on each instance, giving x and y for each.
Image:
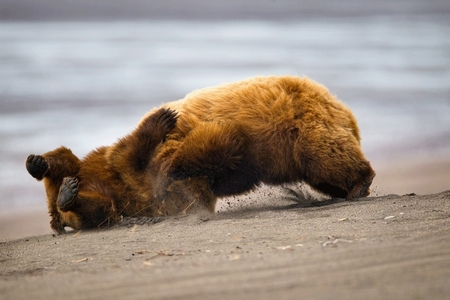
(85, 84)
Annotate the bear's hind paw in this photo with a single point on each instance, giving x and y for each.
(67, 193)
(37, 166)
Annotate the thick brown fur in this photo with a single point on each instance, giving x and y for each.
(226, 141)
(110, 182)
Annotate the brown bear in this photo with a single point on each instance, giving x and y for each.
(216, 142)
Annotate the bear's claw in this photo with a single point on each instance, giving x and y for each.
(37, 166)
(161, 123)
(167, 119)
(67, 193)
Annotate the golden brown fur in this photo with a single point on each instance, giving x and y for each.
(275, 130)
(226, 141)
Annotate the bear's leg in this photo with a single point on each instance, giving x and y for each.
(92, 208)
(149, 134)
(210, 149)
(205, 165)
(136, 149)
(52, 167)
(55, 164)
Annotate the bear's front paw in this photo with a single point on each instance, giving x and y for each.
(36, 165)
(167, 120)
(67, 193)
(161, 122)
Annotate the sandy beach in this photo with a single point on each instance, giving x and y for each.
(390, 247)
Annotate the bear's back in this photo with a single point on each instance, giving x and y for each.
(272, 113)
(264, 103)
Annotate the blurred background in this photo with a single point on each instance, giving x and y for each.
(83, 73)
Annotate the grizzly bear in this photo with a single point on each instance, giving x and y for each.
(216, 142)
